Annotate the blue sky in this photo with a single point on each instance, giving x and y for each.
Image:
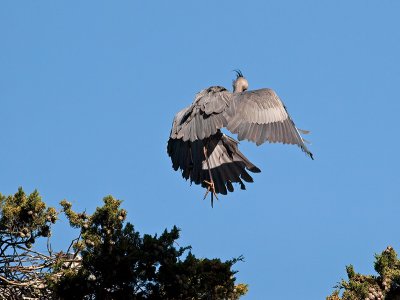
(88, 91)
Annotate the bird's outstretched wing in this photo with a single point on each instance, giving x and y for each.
(261, 116)
(204, 117)
(227, 164)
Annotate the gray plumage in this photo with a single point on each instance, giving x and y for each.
(227, 164)
(260, 116)
(204, 117)
(203, 154)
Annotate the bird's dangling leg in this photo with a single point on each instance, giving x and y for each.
(210, 184)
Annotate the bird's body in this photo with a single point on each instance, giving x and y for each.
(210, 158)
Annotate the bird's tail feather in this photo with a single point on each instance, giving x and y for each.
(227, 164)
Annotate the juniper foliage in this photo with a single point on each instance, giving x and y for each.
(108, 260)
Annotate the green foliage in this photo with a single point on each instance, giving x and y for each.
(117, 263)
(387, 264)
(110, 259)
(350, 271)
(24, 218)
(384, 286)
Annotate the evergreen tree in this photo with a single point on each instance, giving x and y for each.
(385, 285)
(109, 259)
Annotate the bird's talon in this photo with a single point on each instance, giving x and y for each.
(210, 187)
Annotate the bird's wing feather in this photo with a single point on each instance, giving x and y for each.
(204, 117)
(227, 164)
(261, 116)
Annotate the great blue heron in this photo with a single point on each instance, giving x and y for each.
(208, 157)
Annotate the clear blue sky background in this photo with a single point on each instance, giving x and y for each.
(88, 91)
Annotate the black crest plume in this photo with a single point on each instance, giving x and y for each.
(238, 73)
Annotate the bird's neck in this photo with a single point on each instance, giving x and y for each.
(238, 89)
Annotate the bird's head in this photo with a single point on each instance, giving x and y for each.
(240, 84)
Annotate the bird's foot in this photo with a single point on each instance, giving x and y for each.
(210, 188)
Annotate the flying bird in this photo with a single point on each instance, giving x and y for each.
(208, 157)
